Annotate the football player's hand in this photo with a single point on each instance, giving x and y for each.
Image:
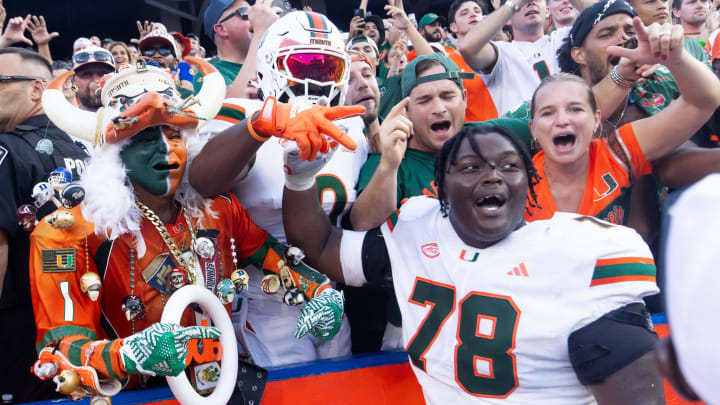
(322, 315)
(161, 348)
(307, 125)
(300, 174)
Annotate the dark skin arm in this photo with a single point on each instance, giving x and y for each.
(308, 227)
(638, 383)
(686, 165)
(222, 160)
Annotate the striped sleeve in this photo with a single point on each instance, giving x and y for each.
(103, 355)
(623, 261)
(622, 269)
(625, 150)
(231, 113)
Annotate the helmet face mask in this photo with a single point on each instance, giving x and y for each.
(302, 59)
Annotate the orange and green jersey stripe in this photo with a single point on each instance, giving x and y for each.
(231, 113)
(622, 269)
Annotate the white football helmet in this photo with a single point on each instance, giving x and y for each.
(302, 58)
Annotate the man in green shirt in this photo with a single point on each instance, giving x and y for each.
(431, 112)
(227, 24)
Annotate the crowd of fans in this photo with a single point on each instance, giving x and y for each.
(605, 108)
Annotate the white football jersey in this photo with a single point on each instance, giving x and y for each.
(270, 327)
(520, 67)
(492, 325)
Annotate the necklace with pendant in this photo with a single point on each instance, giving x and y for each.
(188, 266)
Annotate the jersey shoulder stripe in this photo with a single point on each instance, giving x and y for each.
(231, 113)
(621, 269)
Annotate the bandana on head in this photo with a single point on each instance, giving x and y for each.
(593, 15)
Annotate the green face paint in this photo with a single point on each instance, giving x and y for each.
(155, 160)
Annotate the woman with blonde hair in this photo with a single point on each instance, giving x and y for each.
(121, 54)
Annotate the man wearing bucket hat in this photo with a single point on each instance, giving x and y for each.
(141, 219)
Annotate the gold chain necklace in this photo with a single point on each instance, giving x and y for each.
(155, 220)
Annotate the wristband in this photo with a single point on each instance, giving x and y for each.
(254, 134)
(513, 6)
(299, 182)
(619, 80)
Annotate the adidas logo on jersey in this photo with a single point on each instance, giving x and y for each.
(519, 270)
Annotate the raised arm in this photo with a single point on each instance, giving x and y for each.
(402, 22)
(476, 48)
(227, 154)
(306, 224)
(379, 199)
(686, 165)
(39, 32)
(611, 94)
(261, 15)
(218, 164)
(699, 89)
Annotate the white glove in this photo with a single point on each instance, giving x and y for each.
(300, 174)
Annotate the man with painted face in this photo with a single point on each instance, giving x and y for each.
(139, 223)
(487, 309)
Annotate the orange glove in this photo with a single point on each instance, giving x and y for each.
(307, 125)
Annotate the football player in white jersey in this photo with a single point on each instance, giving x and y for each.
(301, 59)
(497, 310)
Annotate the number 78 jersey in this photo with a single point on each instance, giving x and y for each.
(491, 325)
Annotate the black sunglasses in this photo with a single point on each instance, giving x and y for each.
(151, 51)
(5, 79)
(100, 56)
(242, 12)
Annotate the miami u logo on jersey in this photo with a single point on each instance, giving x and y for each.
(65, 261)
(611, 185)
(465, 256)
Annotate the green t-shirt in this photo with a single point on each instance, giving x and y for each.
(228, 70)
(391, 95)
(416, 174)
